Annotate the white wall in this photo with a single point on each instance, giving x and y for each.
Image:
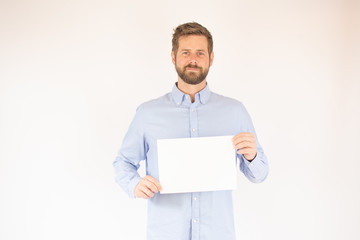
(73, 72)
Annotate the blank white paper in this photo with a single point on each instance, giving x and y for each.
(196, 164)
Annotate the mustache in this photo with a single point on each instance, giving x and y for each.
(192, 66)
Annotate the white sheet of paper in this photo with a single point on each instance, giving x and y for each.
(196, 164)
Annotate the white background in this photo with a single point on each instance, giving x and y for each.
(73, 72)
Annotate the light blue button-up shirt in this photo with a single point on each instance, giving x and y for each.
(185, 216)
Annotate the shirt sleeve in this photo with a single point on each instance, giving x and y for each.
(128, 158)
(257, 169)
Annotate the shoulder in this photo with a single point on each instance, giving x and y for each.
(236, 107)
(228, 101)
(154, 104)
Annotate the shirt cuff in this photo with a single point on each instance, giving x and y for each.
(132, 186)
(252, 162)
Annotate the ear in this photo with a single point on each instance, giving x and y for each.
(211, 58)
(173, 57)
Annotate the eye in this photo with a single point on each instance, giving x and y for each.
(201, 53)
(185, 53)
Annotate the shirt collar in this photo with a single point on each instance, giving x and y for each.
(178, 96)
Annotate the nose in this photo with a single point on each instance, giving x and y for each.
(193, 59)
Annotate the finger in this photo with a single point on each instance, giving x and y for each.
(151, 186)
(245, 145)
(244, 139)
(140, 194)
(143, 195)
(246, 151)
(243, 134)
(154, 181)
(142, 189)
(146, 191)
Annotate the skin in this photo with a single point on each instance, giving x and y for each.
(193, 50)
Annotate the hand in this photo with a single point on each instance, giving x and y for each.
(146, 187)
(245, 143)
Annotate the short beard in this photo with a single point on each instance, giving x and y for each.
(192, 78)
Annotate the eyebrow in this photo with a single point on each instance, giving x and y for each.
(199, 50)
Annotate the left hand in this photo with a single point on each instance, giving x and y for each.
(245, 143)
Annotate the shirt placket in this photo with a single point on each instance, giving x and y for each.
(195, 206)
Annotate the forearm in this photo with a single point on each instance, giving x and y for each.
(126, 174)
(257, 169)
(128, 159)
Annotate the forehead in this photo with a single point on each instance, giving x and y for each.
(197, 42)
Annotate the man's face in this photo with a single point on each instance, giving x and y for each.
(192, 60)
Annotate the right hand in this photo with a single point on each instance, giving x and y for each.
(146, 188)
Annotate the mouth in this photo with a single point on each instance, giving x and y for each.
(192, 68)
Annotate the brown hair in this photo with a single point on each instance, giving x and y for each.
(191, 28)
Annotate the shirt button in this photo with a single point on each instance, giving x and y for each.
(195, 198)
(193, 129)
(192, 109)
(178, 103)
(195, 221)
(187, 97)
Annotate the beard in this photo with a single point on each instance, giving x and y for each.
(192, 78)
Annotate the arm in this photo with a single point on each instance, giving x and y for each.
(257, 169)
(127, 162)
(253, 162)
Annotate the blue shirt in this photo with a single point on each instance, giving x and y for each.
(185, 216)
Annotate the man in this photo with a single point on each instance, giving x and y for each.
(190, 110)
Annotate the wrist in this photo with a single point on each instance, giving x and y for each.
(249, 158)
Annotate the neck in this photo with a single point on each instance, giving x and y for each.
(190, 89)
